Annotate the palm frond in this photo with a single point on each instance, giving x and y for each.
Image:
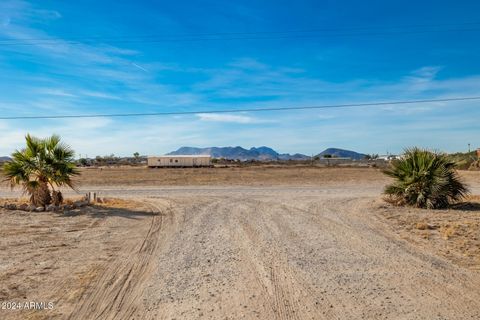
(425, 179)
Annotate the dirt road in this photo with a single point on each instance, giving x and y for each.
(259, 253)
(279, 257)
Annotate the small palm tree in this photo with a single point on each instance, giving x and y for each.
(43, 165)
(424, 179)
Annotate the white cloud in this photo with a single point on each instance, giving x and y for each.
(77, 126)
(219, 117)
(248, 63)
(97, 57)
(428, 72)
(55, 92)
(97, 94)
(48, 14)
(325, 116)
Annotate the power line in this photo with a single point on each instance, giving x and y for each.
(261, 32)
(257, 35)
(334, 106)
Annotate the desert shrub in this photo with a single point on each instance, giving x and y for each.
(424, 179)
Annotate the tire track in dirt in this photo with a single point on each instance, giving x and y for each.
(116, 293)
(288, 295)
(359, 229)
(197, 266)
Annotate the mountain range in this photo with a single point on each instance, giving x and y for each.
(261, 153)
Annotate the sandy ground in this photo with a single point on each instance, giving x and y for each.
(453, 233)
(326, 249)
(267, 175)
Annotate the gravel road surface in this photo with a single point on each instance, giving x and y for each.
(282, 253)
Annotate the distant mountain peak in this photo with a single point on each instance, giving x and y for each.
(254, 153)
(341, 153)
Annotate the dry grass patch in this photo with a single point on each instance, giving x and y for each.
(453, 233)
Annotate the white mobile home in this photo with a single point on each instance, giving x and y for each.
(180, 161)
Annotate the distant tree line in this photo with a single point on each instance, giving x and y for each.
(112, 160)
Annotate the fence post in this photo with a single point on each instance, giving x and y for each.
(91, 197)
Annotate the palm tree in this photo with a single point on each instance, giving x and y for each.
(424, 179)
(43, 165)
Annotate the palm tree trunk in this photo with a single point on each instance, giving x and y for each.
(40, 196)
(57, 198)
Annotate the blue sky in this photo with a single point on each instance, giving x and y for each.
(347, 52)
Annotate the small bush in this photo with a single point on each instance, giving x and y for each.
(424, 179)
